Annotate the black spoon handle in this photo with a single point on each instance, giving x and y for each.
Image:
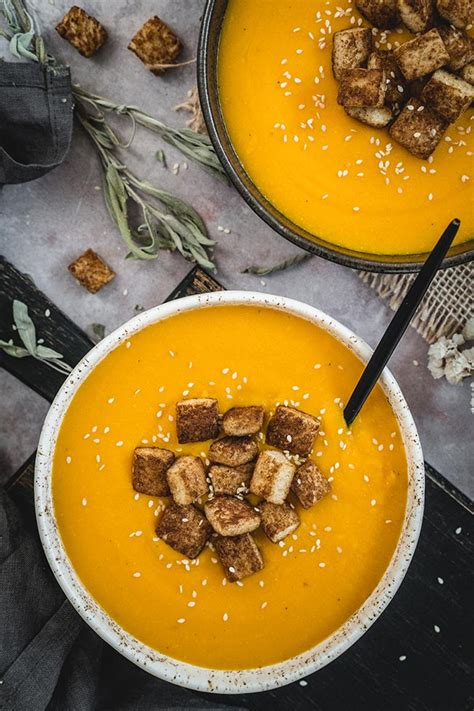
(399, 323)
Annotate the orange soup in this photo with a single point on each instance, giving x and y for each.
(317, 577)
(346, 182)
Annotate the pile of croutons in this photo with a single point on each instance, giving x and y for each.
(237, 467)
(420, 87)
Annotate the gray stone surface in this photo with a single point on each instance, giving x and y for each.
(47, 223)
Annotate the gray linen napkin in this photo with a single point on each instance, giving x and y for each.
(36, 116)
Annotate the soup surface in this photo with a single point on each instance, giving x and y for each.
(348, 183)
(319, 576)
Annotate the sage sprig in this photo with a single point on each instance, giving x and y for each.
(287, 264)
(165, 222)
(31, 346)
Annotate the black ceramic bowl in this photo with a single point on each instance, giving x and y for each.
(209, 96)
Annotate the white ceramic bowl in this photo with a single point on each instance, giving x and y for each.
(172, 670)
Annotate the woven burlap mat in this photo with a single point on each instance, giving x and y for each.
(446, 307)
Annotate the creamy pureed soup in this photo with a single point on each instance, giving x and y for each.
(310, 584)
(339, 179)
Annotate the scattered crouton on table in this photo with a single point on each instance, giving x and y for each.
(418, 129)
(184, 528)
(197, 419)
(278, 520)
(150, 465)
(83, 31)
(233, 451)
(91, 271)
(239, 556)
(229, 516)
(272, 476)
(309, 485)
(187, 480)
(156, 45)
(292, 430)
(350, 49)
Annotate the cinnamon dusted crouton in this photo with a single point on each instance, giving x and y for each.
(418, 129)
(272, 476)
(197, 419)
(229, 516)
(187, 480)
(456, 12)
(360, 88)
(378, 118)
(309, 485)
(350, 49)
(448, 95)
(421, 55)
(83, 31)
(230, 480)
(417, 15)
(150, 465)
(184, 528)
(91, 271)
(239, 556)
(155, 44)
(467, 73)
(241, 421)
(459, 46)
(292, 430)
(233, 451)
(278, 521)
(380, 13)
(396, 86)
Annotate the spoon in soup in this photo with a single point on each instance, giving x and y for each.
(399, 323)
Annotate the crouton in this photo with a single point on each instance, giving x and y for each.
(360, 88)
(230, 480)
(187, 480)
(233, 451)
(241, 421)
(156, 45)
(418, 129)
(456, 12)
(309, 485)
(467, 73)
(83, 31)
(278, 521)
(448, 95)
(149, 468)
(229, 516)
(396, 87)
(272, 476)
(292, 430)
(378, 118)
(197, 420)
(350, 49)
(239, 556)
(91, 271)
(380, 13)
(184, 528)
(459, 46)
(417, 15)
(421, 55)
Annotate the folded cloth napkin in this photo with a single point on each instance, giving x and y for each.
(49, 658)
(36, 116)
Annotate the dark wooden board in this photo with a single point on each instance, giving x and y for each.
(437, 673)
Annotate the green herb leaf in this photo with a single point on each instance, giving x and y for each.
(287, 264)
(12, 350)
(161, 158)
(25, 326)
(98, 330)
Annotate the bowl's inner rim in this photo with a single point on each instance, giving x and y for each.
(170, 669)
(255, 198)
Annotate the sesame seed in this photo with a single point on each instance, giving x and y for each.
(225, 616)
(402, 658)
(322, 565)
(458, 531)
(137, 575)
(436, 628)
(373, 502)
(68, 460)
(181, 620)
(84, 502)
(441, 581)
(119, 443)
(303, 683)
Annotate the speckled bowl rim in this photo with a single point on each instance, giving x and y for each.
(173, 670)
